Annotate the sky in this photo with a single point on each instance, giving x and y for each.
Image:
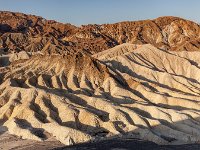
(80, 12)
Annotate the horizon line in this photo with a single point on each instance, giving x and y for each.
(79, 25)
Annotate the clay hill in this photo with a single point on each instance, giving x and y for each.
(96, 82)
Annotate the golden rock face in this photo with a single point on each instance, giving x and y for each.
(132, 79)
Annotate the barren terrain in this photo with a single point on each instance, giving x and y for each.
(65, 85)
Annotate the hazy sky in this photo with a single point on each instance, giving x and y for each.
(80, 12)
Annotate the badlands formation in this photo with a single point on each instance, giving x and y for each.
(80, 84)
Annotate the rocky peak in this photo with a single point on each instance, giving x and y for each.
(170, 33)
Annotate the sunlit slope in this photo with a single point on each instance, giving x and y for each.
(131, 90)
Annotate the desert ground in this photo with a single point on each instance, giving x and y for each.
(131, 83)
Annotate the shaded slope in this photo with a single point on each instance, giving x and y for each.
(62, 81)
(133, 91)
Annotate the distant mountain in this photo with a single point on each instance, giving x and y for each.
(32, 33)
(98, 82)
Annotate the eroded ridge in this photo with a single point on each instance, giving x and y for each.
(134, 91)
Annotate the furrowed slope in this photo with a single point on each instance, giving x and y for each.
(47, 96)
(134, 91)
(137, 79)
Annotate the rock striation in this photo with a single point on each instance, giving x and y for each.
(79, 84)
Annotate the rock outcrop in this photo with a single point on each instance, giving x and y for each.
(32, 33)
(130, 79)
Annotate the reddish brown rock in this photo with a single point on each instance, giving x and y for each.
(32, 33)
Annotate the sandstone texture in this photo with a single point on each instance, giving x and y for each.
(95, 82)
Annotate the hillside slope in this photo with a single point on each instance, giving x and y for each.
(78, 84)
(140, 92)
(32, 33)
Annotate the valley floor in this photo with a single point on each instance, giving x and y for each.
(129, 144)
(11, 142)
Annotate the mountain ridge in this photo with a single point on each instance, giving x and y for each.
(172, 33)
(125, 80)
